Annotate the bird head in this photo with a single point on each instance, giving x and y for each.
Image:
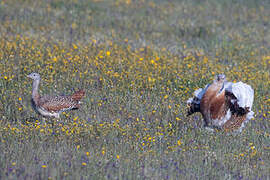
(219, 82)
(220, 78)
(34, 76)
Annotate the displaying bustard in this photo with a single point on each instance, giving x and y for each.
(223, 105)
(53, 106)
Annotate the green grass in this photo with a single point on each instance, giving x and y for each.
(139, 61)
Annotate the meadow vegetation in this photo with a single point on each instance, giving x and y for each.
(139, 61)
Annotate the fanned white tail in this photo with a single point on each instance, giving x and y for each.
(244, 94)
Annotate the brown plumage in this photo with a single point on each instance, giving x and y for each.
(223, 105)
(53, 106)
(234, 123)
(78, 95)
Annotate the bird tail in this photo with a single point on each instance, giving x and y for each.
(78, 95)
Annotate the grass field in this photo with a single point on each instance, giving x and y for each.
(139, 61)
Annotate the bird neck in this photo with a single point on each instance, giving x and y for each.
(215, 89)
(35, 94)
(221, 88)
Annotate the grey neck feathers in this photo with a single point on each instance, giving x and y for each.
(35, 94)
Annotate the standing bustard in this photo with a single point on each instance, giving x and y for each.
(52, 106)
(223, 104)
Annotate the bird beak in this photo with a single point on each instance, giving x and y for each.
(28, 76)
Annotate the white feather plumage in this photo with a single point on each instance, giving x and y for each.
(244, 94)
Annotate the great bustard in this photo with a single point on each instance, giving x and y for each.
(53, 106)
(224, 105)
